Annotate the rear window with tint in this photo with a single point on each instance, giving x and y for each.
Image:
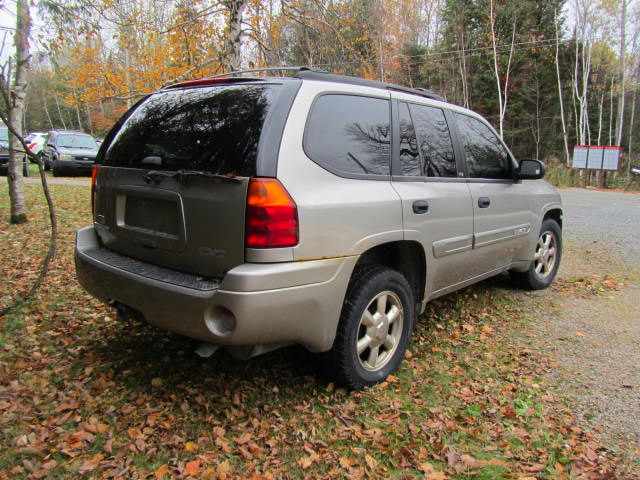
(212, 129)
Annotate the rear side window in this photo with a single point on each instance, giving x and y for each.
(485, 155)
(213, 129)
(348, 134)
(409, 155)
(438, 158)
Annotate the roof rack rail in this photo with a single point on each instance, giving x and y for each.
(330, 77)
(264, 69)
(205, 80)
(305, 72)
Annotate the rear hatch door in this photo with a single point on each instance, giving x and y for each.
(172, 183)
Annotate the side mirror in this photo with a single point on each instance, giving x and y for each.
(530, 170)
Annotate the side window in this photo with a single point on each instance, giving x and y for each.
(435, 143)
(350, 134)
(409, 155)
(485, 155)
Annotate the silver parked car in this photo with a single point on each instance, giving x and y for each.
(68, 152)
(318, 210)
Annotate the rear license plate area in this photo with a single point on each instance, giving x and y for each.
(150, 218)
(154, 215)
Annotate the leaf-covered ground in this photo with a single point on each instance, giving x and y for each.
(84, 394)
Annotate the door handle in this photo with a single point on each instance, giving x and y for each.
(420, 207)
(484, 202)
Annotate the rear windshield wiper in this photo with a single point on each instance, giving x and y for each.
(156, 176)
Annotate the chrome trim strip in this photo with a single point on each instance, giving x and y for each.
(490, 237)
(449, 246)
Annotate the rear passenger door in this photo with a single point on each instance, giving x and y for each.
(502, 214)
(436, 203)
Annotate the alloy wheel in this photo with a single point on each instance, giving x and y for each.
(546, 255)
(380, 330)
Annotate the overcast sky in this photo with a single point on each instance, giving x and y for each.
(8, 25)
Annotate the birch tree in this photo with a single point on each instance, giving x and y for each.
(15, 107)
(233, 33)
(560, 101)
(13, 95)
(503, 92)
(620, 118)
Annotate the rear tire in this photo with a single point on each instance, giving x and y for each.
(377, 319)
(548, 253)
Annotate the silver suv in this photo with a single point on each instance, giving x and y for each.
(318, 210)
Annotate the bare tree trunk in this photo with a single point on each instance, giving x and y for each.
(620, 119)
(16, 113)
(127, 77)
(381, 58)
(14, 102)
(502, 98)
(463, 69)
(233, 34)
(600, 117)
(80, 127)
(87, 112)
(631, 120)
(564, 126)
(46, 110)
(64, 125)
(535, 122)
(611, 113)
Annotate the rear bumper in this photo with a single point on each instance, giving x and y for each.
(254, 304)
(72, 167)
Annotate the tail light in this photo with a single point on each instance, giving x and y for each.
(272, 215)
(31, 147)
(94, 180)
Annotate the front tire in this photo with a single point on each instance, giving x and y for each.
(546, 262)
(377, 319)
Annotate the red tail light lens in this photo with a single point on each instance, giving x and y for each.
(272, 215)
(94, 180)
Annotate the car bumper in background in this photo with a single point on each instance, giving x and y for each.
(254, 304)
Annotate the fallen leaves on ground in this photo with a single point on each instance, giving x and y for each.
(84, 394)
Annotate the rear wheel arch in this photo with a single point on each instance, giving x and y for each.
(404, 256)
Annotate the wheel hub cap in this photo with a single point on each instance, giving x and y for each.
(545, 256)
(380, 330)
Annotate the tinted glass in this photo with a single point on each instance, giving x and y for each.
(4, 134)
(438, 158)
(213, 129)
(72, 140)
(485, 155)
(350, 134)
(409, 156)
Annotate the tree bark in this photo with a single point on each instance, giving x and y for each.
(233, 34)
(17, 96)
(620, 119)
(502, 94)
(564, 125)
(631, 121)
(46, 110)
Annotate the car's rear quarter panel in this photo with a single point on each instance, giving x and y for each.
(338, 216)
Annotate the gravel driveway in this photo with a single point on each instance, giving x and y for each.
(596, 338)
(609, 218)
